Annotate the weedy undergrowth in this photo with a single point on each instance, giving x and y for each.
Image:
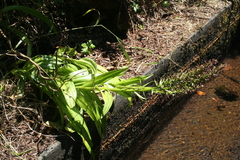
(87, 47)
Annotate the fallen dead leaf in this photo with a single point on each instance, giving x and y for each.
(200, 93)
(214, 99)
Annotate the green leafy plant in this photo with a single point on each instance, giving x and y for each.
(140, 26)
(77, 87)
(166, 4)
(135, 5)
(87, 48)
(81, 87)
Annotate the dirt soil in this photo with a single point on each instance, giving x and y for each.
(22, 133)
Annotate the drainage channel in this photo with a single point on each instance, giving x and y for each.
(208, 126)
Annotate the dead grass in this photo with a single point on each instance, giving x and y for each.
(23, 134)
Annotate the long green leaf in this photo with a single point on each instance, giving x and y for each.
(99, 15)
(85, 63)
(91, 104)
(101, 79)
(67, 69)
(69, 92)
(123, 50)
(76, 120)
(108, 101)
(119, 42)
(131, 81)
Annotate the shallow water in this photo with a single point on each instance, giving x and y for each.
(208, 127)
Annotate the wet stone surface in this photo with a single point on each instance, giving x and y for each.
(208, 127)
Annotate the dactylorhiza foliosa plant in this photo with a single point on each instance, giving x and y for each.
(80, 87)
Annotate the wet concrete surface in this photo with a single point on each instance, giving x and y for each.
(208, 127)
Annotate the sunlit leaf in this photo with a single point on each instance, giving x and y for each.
(76, 120)
(67, 69)
(69, 92)
(66, 51)
(85, 63)
(101, 79)
(134, 80)
(108, 101)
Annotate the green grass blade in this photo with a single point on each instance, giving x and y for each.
(119, 42)
(23, 38)
(123, 49)
(99, 15)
